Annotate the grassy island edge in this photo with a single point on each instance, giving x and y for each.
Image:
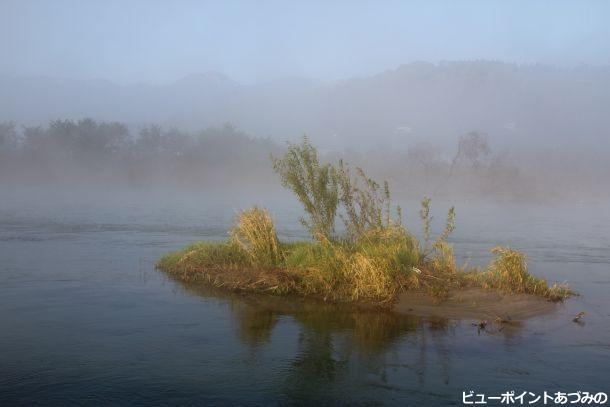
(373, 261)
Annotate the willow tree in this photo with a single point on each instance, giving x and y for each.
(314, 184)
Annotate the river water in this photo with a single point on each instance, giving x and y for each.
(85, 319)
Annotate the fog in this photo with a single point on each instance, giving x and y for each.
(490, 100)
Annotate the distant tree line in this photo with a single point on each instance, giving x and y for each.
(90, 152)
(471, 169)
(87, 150)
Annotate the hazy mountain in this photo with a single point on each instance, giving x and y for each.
(518, 106)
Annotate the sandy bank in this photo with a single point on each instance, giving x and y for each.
(475, 303)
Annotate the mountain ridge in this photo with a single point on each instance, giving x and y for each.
(515, 104)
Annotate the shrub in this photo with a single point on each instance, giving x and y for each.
(366, 206)
(439, 246)
(314, 184)
(376, 260)
(324, 189)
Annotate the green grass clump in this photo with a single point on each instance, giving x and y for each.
(204, 256)
(373, 269)
(508, 273)
(374, 261)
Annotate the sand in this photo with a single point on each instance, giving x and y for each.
(476, 304)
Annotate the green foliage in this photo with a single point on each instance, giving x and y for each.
(441, 271)
(324, 189)
(204, 256)
(314, 184)
(424, 214)
(426, 218)
(444, 259)
(365, 202)
(377, 259)
(449, 226)
(508, 273)
(374, 269)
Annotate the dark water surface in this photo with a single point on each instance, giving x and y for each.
(86, 319)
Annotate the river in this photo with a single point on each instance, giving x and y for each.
(87, 320)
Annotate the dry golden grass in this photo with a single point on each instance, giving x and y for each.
(508, 273)
(372, 270)
(226, 265)
(375, 260)
(255, 233)
(377, 267)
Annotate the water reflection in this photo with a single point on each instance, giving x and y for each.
(338, 345)
(95, 324)
(364, 329)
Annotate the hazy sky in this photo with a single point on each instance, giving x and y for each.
(159, 41)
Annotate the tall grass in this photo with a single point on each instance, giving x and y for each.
(254, 232)
(508, 272)
(373, 269)
(375, 260)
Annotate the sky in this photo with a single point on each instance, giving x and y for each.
(253, 41)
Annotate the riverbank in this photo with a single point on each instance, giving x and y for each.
(383, 273)
(471, 304)
(475, 304)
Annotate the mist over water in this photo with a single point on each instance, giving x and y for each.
(132, 129)
(480, 129)
(85, 154)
